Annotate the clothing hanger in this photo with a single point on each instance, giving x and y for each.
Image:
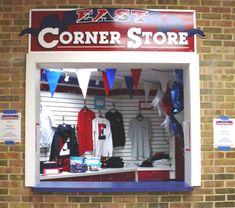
(113, 110)
(42, 107)
(100, 115)
(139, 116)
(63, 123)
(84, 107)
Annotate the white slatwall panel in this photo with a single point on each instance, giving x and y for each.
(67, 105)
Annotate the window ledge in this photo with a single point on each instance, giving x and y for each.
(148, 186)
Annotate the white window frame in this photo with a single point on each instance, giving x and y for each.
(188, 61)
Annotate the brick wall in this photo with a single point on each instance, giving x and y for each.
(216, 18)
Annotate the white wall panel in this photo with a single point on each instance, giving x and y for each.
(65, 107)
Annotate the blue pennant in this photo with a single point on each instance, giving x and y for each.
(52, 78)
(129, 84)
(110, 73)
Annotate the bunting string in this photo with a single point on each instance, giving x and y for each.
(109, 75)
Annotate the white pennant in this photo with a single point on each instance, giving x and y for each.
(147, 88)
(83, 76)
(163, 78)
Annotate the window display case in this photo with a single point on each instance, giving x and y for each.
(148, 132)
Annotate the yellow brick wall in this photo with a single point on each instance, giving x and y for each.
(217, 69)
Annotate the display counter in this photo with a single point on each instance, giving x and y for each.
(114, 174)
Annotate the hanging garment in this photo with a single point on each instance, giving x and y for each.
(102, 137)
(117, 128)
(166, 102)
(177, 97)
(64, 145)
(139, 133)
(46, 128)
(156, 103)
(85, 117)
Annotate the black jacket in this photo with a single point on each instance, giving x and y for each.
(117, 128)
(62, 133)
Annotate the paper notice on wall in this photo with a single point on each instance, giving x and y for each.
(224, 132)
(10, 127)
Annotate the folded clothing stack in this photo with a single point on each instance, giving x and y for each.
(147, 163)
(115, 162)
(159, 156)
(47, 165)
(162, 162)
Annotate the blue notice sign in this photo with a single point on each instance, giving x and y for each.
(224, 133)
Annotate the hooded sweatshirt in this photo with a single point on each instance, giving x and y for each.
(64, 143)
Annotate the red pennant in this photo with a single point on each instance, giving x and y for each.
(106, 84)
(136, 76)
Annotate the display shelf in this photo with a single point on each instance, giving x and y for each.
(87, 173)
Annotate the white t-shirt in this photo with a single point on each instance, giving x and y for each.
(102, 137)
(46, 128)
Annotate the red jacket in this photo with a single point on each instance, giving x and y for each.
(85, 117)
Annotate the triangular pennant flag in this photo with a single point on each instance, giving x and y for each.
(129, 84)
(83, 76)
(52, 78)
(163, 78)
(106, 85)
(110, 73)
(136, 76)
(147, 88)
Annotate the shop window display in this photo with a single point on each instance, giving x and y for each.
(146, 68)
(125, 137)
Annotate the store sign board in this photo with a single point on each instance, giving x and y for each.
(112, 30)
